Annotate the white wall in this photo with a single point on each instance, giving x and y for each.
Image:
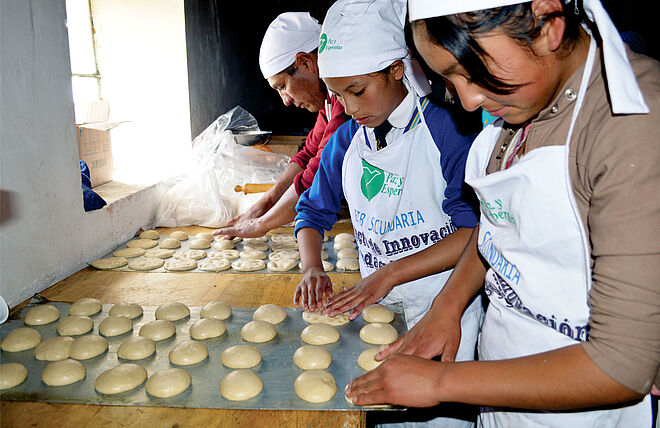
(44, 233)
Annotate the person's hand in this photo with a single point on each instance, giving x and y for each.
(402, 380)
(246, 228)
(310, 291)
(369, 290)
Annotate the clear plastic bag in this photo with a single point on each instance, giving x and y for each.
(205, 196)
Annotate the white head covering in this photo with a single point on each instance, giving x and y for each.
(624, 92)
(365, 36)
(288, 34)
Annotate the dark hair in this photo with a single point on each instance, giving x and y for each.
(291, 70)
(458, 33)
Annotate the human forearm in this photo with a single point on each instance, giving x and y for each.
(310, 242)
(284, 211)
(283, 183)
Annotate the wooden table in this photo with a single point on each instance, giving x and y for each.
(193, 289)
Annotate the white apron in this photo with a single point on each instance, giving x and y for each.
(532, 236)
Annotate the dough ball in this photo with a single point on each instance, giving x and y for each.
(20, 339)
(86, 306)
(146, 263)
(257, 239)
(190, 254)
(129, 253)
(347, 237)
(284, 255)
(170, 243)
(200, 244)
(324, 256)
(327, 266)
(340, 245)
(130, 310)
(315, 386)
(214, 265)
(159, 253)
(282, 265)
(173, 311)
(218, 310)
(12, 374)
(115, 325)
(378, 333)
(177, 234)
(168, 383)
(319, 334)
(347, 253)
(188, 352)
(42, 314)
(157, 330)
(258, 331)
(223, 244)
(248, 265)
(224, 254)
(206, 236)
(252, 255)
(312, 357)
(241, 385)
(109, 263)
(348, 264)
(377, 313)
(180, 265)
(74, 325)
(317, 317)
(86, 347)
(149, 234)
(283, 237)
(142, 243)
(366, 359)
(121, 378)
(63, 372)
(136, 348)
(207, 328)
(255, 246)
(240, 357)
(53, 348)
(270, 313)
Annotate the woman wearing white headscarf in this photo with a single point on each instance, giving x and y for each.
(568, 240)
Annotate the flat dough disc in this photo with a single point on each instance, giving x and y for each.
(378, 333)
(345, 237)
(130, 310)
(377, 313)
(136, 348)
(115, 325)
(63, 372)
(219, 310)
(252, 255)
(12, 374)
(53, 348)
(279, 246)
(207, 328)
(86, 347)
(214, 265)
(177, 234)
(120, 379)
(270, 313)
(340, 245)
(347, 253)
(257, 239)
(317, 318)
(172, 311)
(224, 254)
(327, 266)
(159, 253)
(258, 331)
(86, 306)
(180, 265)
(315, 386)
(348, 264)
(283, 238)
(284, 254)
(168, 383)
(170, 243)
(366, 359)
(146, 263)
(282, 265)
(188, 352)
(241, 385)
(190, 254)
(141, 243)
(157, 330)
(207, 236)
(312, 357)
(248, 265)
(223, 244)
(42, 314)
(74, 325)
(255, 246)
(20, 339)
(240, 357)
(109, 263)
(200, 244)
(319, 334)
(129, 253)
(149, 234)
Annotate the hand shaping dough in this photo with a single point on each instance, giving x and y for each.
(177, 234)
(86, 347)
(205, 236)
(129, 253)
(284, 254)
(345, 237)
(214, 265)
(149, 234)
(157, 330)
(115, 325)
(63, 372)
(282, 265)
(377, 313)
(146, 263)
(315, 386)
(42, 314)
(270, 313)
(207, 328)
(347, 253)
(258, 331)
(188, 352)
(190, 254)
(327, 266)
(119, 379)
(20, 339)
(340, 245)
(318, 318)
(136, 348)
(218, 310)
(319, 334)
(241, 385)
(200, 244)
(142, 243)
(378, 333)
(173, 311)
(248, 265)
(168, 383)
(366, 359)
(223, 244)
(109, 263)
(74, 325)
(240, 357)
(130, 310)
(12, 374)
(53, 348)
(179, 265)
(159, 253)
(255, 246)
(252, 255)
(312, 357)
(348, 264)
(224, 254)
(86, 306)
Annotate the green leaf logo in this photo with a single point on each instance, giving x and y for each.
(372, 180)
(323, 41)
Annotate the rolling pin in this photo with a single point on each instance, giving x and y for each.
(253, 187)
